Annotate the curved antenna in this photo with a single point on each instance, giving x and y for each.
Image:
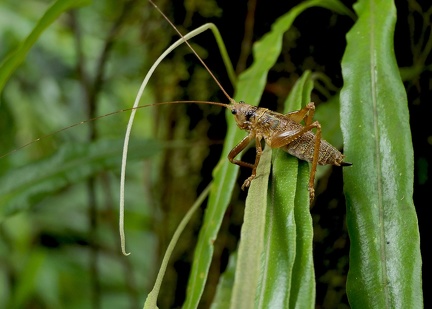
(129, 126)
(196, 54)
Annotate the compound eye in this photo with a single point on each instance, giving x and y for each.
(234, 111)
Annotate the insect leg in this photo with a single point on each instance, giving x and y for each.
(314, 161)
(239, 148)
(248, 181)
(285, 138)
(307, 111)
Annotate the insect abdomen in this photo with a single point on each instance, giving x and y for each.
(303, 148)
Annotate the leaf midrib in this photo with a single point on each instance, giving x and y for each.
(374, 78)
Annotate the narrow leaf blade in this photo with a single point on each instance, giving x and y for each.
(252, 238)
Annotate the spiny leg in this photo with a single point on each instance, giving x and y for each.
(248, 181)
(307, 111)
(314, 162)
(284, 139)
(239, 148)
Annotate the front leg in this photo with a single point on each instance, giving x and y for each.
(248, 181)
(239, 148)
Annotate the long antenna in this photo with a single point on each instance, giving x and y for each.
(106, 115)
(196, 54)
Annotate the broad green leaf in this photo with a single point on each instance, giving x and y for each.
(249, 89)
(9, 65)
(303, 276)
(23, 187)
(280, 239)
(287, 272)
(385, 260)
(302, 293)
(252, 238)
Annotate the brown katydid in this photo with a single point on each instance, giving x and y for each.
(283, 131)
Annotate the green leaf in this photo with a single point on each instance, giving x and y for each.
(252, 238)
(280, 238)
(23, 187)
(287, 271)
(385, 260)
(9, 65)
(303, 274)
(302, 291)
(283, 254)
